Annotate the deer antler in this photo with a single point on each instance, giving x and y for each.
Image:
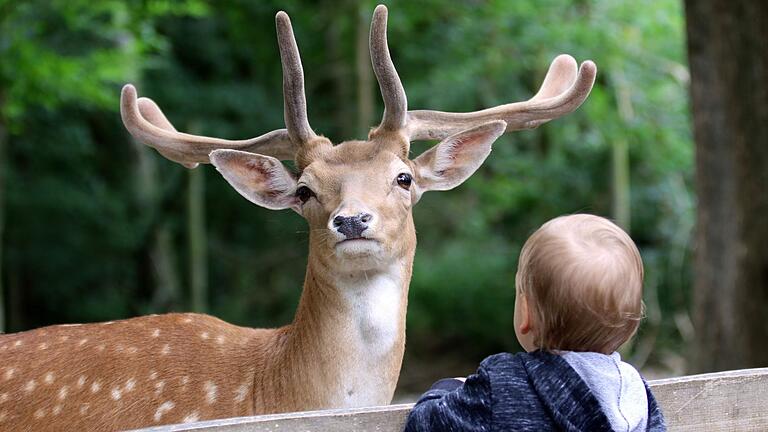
(564, 89)
(293, 83)
(392, 91)
(562, 92)
(147, 123)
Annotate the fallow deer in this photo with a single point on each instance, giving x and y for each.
(345, 345)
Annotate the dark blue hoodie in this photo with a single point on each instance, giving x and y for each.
(536, 391)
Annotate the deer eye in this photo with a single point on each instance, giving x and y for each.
(404, 180)
(304, 193)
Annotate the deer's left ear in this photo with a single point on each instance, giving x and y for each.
(263, 180)
(456, 158)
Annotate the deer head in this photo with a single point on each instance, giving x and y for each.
(357, 196)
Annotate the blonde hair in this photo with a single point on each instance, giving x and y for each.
(583, 278)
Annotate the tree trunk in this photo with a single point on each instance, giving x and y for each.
(165, 294)
(198, 262)
(3, 173)
(727, 45)
(15, 316)
(621, 201)
(365, 102)
(338, 67)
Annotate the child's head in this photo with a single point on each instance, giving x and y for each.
(579, 286)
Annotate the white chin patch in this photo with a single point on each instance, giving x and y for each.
(357, 249)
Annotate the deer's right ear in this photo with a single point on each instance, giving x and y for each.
(263, 180)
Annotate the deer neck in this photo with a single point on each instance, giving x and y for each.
(348, 335)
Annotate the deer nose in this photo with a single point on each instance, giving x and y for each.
(352, 226)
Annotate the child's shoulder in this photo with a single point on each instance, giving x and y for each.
(520, 364)
(505, 359)
(499, 358)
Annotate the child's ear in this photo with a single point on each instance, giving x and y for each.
(526, 324)
(457, 157)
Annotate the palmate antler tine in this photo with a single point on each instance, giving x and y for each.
(152, 113)
(562, 92)
(293, 82)
(395, 101)
(147, 123)
(560, 77)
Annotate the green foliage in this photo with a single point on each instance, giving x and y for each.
(79, 236)
(75, 51)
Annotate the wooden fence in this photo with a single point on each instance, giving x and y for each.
(724, 401)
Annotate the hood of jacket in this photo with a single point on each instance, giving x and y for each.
(585, 396)
(617, 386)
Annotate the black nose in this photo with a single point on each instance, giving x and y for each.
(352, 226)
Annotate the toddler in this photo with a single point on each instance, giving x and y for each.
(579, 298)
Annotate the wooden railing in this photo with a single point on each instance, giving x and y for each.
(724, 401)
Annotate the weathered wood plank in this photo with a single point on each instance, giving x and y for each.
(379, 419)
(724, 401)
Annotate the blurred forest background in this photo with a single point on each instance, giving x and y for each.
(98, 227)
